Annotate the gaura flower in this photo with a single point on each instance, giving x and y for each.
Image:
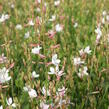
(53, 18)
(4, 17)
(87, 50)
(45, 91)
(31, 23)
(99, 34)
(1, 107)
(44, 106)
(32, 93)
(56, 3)
(27, 35)
(75, 25)
(10, 102)
(3, 59)
(77, 61)
(61, 91)
(104, 13)
(39, 1)
(19, 27)
(83, 72)
(51, 34)
(34, 75)
(4, 77)
(55, 61)
(36, 50)
(58, 28)
(52, 71)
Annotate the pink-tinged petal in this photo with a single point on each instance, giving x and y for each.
(55, 46)
(33, 45)
(42, 56)
(12, 65)
(49, 63)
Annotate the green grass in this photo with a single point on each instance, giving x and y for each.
(80, 92)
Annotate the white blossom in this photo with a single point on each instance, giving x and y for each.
(36, 50)
(55, 61)
(98, 32)
(52, 71)
(19, 27)
(75, 25)
(77, 61)
(56, 3)
(10, 102)
(45, 91)
(32, 93)
(83, 72)
(58, 28)
(4, 17)
(87, 50)
(27, 35)
(52, 18)
(4, 77)
(31, 23)
(44, 106)
(104, 13)
(34, 75)
(1, 107)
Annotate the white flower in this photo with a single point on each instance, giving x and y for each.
(77, 61)
(56, 3)
(1, 107)
(81, 52)
(52, 18)
(61, 91)
(75, 25)
(10, 102)
(32, 93)
(19, 27)
(83, 73)
(4, 75)
(36, 50)
(55, 61)
(44, 106)
(60, 73)
(34, 75)
(39, 1)
(52, 71)
(104, 13)
(3, 59)
(31, 23)
(4, 17)
(87, 50)
(12, 6)
(98, 32)
(26, 88)
(27, 35)
(58, 28)
(45, 92)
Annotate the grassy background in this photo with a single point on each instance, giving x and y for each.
(87, 13)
